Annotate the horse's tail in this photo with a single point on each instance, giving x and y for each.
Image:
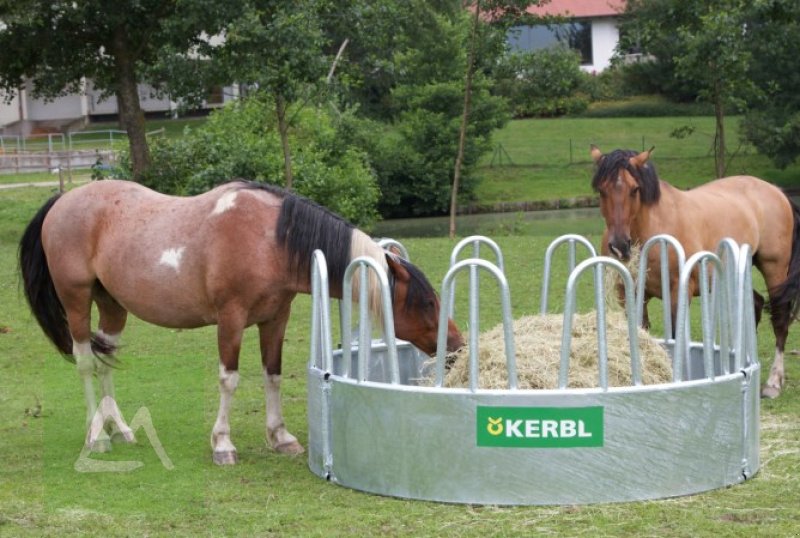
(788, 293)
(38, 283)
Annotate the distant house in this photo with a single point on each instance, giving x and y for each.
(591, 29)
(26, 115)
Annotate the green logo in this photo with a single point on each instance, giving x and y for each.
(540, 427)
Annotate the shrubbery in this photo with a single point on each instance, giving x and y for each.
(547, 82)
(241, 141)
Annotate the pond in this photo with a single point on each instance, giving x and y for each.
(583, 221)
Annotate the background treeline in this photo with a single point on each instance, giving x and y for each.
(358, 104)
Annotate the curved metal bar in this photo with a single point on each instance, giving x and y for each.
(476, 241)
(363, 264)
(508, 329)
(387, 243)
(663, 240)
(728, 252)
(321, 339)
(571, 240)
(599, 262)
(682, 336)
(745, 346)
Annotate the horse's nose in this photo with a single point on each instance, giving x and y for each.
(621, 249)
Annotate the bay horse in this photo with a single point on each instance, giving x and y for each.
(233, 257)
(637, 205)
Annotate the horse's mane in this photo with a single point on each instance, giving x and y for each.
(340, 241)
(419, 288)
(645, 176)
(304, 226)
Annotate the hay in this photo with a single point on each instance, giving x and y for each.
(538, 351)
(612, 281)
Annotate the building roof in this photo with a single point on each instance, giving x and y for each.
(579, 8)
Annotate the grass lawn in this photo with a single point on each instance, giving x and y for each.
(549, 158)
(173, 374)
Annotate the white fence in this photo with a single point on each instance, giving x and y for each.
(20, 162)
(103, 139)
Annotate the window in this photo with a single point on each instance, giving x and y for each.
(215, 96)
(575, 35)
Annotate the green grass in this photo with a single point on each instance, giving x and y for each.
(549, 158)
(43, 177)
(174, 375)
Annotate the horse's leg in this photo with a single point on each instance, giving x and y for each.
(645, 314)
(112, 321)
(229, 341)
(271, 337)
(781, 317)
(77, 302)
(758, 306)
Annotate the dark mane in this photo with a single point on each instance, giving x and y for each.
(645, 176)
(419, 288)
(304, 226)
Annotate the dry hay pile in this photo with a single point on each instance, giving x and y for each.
(538, 353)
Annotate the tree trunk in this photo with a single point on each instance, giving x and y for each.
(131, 116)
(283, 129)
(719, 138)
(462, 137)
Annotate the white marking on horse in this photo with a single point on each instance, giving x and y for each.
(225, 202)
(172, 257)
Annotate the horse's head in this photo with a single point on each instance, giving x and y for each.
(416, 308)
(626, 182)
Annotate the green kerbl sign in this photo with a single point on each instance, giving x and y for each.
(539, 427)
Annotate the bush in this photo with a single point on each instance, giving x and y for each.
(545, 82)
(775, 132)
(241, 142)
(414, 157)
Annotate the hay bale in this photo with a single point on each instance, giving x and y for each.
(538, 352)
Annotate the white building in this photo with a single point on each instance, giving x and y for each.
(591, 29)
(26, 115)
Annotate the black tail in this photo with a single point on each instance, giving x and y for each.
(38, 284)
(788, 293)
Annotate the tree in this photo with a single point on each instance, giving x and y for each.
(503, 12)
(707, 42)
(403, 72)
(58, 44)
(277, 46)
(772, 123)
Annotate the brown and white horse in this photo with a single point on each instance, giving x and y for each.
(636, 205)
(233, 257)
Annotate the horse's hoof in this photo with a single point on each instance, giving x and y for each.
(123, 437)
(290, 448)
(100, 445)
(770, 392)
(225, 458)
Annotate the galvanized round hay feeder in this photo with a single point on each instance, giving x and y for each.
(374, 427)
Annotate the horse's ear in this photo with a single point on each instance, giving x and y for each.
(396, 267)
(640, 160)
(394, 249)
(595, 153)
